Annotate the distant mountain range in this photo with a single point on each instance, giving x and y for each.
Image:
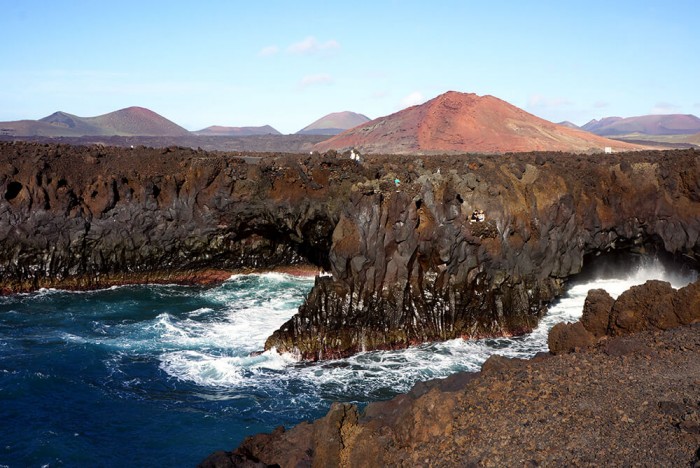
(218, 130)
(451, 122)
(333, 124)
(138, 121)
(132, 121)
(670, 124)
(459, 122)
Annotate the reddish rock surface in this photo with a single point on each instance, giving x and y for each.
(459, 122)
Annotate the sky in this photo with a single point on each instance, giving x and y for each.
(286, 64)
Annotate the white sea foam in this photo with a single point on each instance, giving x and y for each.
(216, 352)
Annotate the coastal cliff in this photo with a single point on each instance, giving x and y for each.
(83, 217)
(408, 262)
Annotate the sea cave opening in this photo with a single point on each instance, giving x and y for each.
(650, 262)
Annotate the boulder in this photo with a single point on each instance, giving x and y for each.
(654, 305)
(569, 337)
(644, 307)
(596, 312)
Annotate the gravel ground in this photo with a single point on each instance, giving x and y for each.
(634, 401)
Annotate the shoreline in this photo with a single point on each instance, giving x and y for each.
(204, 277)
(630, 400)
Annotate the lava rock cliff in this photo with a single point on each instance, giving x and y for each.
(408, 262)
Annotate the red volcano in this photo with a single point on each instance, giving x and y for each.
(460, 122)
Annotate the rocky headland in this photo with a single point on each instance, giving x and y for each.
(627, 396)
(408, 263)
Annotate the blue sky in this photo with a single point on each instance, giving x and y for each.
(287, 63)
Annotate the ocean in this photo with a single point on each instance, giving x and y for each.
(165, 375)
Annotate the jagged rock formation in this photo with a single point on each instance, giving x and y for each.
(82, 217)
(407, 263)
(654, 305)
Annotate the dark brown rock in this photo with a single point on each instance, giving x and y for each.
(407, 263)
(623, 347)
(654, 305)
(223, 459)
(569, 337)
(642, 307)
(498, 363)
(596, 312)
(686, 303)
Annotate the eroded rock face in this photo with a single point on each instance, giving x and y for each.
(408, 263)
(81, 217)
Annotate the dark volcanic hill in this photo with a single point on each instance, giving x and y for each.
(670, 124)
(335, 123)
(132, 121)
(218, 130)
(459, 122)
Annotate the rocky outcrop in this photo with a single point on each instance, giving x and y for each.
(81, 217)
(408, 264)
(654, 305)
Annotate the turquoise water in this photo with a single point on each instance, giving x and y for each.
(163, 375)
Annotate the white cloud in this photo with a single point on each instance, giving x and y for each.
(318, 79)
(600, 104)
(665, 108)
(268, 51)
(696, 105)
(310, 45)
(413, 99)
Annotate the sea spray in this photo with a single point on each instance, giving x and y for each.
(175, 368)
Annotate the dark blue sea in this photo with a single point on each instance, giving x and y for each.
(165, 375)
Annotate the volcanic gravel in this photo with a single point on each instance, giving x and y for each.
(633, 401)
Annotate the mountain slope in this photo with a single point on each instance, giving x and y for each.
(669, 124)
(218, 130)
(131, 121)
(460, 122)
(334, 123)
(136, 121)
